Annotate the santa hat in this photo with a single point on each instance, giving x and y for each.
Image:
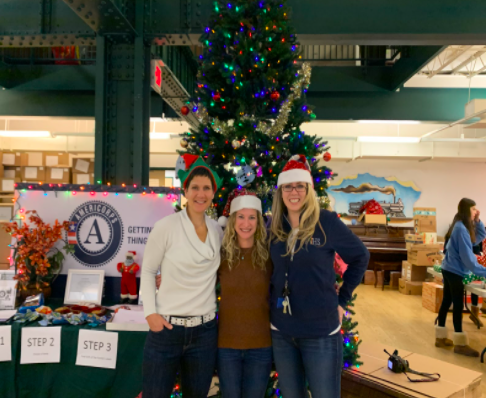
(189, 159)
(297, 169)
(237, 200)
(131, 254)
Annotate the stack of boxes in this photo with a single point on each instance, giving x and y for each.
(9, 171)
(35, 167)
(423, 251)
(83, 171)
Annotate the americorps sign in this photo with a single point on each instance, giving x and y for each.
(104, 225)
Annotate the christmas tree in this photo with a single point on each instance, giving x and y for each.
(251, 104)
(251, 100)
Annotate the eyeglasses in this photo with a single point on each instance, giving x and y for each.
(290, 188)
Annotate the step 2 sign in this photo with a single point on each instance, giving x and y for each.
(41, 345)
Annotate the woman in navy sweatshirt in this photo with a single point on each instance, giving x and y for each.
(466, 230)
(306, 313)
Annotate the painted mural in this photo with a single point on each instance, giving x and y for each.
(396, 197)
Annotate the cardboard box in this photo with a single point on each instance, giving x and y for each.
(410, 288)
(33, 174)
(8, 184)
(394, 279)
(375, 219)
(413, 239)
(455, 381)
(11, 172)
(369, 277)
(432, 294)
(83, 165)
(32, 159)
(83, 178)
(424, 219)
(56, 159)
(429, 238)
(58, 175)
(413, 273)
(425, 255)
(11, 158)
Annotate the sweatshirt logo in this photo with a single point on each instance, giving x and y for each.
(315, 241)
(99, 233)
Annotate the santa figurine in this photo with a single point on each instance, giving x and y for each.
(129, 270)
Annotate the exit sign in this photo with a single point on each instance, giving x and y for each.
(156, 77)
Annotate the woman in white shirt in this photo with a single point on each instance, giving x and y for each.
(185, 246)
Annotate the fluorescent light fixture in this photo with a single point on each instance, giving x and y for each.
(408, 140)
(389, 121)
(159, 136)
(25, 134)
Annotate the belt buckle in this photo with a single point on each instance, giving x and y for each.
(186, 322)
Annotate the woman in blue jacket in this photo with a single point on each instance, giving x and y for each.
(305, 311)
(466, 230)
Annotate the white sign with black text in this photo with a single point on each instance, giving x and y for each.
(97, 349)
(8, 291)
(41, 345)
(5, 343)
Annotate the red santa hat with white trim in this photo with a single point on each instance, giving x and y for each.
(131, 254)
(297, 169)
(237, 200)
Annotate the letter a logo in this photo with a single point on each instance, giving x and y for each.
(96, 233)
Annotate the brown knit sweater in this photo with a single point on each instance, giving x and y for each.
(244, 309)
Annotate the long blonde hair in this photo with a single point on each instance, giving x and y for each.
(232, 251)
(309, 219)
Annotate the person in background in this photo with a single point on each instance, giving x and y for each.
(185, 246)
(305, 311)
(244, 339)
(466, 230)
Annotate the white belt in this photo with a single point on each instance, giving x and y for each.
(191, 321)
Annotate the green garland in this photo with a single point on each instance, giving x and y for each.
(467, 279)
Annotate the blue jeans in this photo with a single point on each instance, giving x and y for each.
(319, 361)
(244, 373)
(192, 351)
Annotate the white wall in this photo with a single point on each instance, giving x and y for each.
(443, 184)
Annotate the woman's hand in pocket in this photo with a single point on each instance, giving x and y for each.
(157, 323)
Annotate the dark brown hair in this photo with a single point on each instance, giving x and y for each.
(464, 215)
(200, 172)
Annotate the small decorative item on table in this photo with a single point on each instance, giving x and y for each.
(129, 269)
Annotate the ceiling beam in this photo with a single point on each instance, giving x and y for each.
(180, 22)
(104, 17)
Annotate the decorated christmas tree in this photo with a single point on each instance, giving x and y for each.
(251, 104)
(251, 100)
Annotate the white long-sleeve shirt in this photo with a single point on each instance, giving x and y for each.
(188, 267)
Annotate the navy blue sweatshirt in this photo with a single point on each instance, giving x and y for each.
(313, 298)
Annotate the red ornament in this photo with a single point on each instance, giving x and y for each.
(275, 96)
(327, 157)
(185, 110)
(217, 97)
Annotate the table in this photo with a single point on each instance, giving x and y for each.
(65, 379)
(385, 266)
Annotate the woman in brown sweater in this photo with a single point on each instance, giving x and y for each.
(244, 337)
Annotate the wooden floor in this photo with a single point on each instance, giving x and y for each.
(392, 318)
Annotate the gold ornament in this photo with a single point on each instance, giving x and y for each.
(184, 143)
(236, 144)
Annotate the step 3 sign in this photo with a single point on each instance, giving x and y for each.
(41, 345)
(5, 343)
(97, 349)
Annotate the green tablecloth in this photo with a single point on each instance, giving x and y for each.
(65, 379)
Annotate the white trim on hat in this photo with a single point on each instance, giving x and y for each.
(294, 175)
(245, 202)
